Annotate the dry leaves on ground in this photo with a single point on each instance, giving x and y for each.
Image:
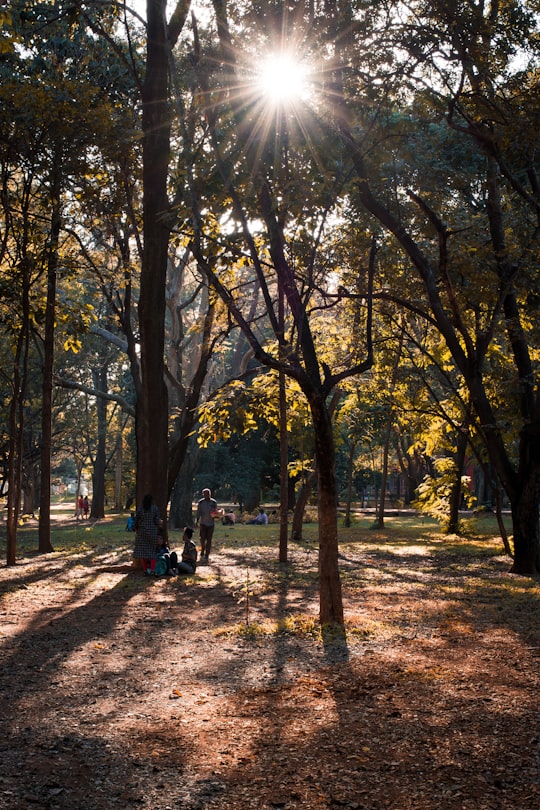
(219, 691)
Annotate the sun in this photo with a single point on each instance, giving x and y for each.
(283, 79)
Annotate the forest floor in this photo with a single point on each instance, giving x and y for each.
(220, 690)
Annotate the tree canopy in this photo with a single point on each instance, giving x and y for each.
(200, 202)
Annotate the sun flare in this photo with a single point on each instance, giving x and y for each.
(283, 79)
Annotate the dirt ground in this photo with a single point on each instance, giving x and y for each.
(219, 691)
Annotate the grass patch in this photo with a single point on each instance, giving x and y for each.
(298, 625)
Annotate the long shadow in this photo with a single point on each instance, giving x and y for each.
(376, 731)
(49, 716)
(350, 717)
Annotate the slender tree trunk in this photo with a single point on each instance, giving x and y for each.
(45, 545)
(384, 475)
(284, 472)
(283, 448)
(301, 503)
(350, 464)
(456, 491)
(118, 502)
(97, 509)
(16, 423)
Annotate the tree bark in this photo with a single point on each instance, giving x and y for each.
(456, 491)
(152, 402)
(44, 535)
(97, 509)
(300, 506)
(330, 596)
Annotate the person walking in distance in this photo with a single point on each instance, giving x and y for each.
(206, 511)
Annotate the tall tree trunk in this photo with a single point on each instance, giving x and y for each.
(45, 545)
(97, 509)
(181, 513)
(16, 423)
(152, 402)
(284, 472)
(524, 505)
(119, 460)
(301, 503)
(384, 474)
(456, 491)
(283, 447)
(388, 430)
(350, 466)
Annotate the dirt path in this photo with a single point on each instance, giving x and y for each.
(120, 691)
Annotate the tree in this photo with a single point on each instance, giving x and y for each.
(488, 104)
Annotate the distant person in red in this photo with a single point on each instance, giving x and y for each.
(80, 508)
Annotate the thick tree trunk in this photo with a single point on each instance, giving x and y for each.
(524, 505)
(152, 403)
(330, 596)
(181, 512)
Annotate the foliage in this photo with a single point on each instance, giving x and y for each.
(433, 494)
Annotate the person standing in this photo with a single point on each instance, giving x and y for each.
(147, 524)
(86, 506)
(206, 511)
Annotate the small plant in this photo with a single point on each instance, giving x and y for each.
(244, 594)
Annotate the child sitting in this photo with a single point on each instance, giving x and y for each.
(188, 563)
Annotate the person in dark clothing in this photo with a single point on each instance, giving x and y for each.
(147, 525)
(188, 563)
(206, 512)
